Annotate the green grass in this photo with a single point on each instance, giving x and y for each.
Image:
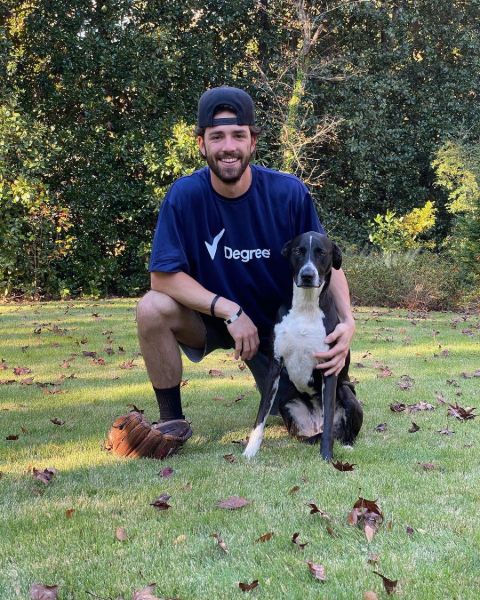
(38, 543)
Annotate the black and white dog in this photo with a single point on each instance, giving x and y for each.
(314, 407)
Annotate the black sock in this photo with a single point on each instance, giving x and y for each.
(169, 403)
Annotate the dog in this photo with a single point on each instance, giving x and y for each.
(314, 407)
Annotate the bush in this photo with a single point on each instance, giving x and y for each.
(413, 280)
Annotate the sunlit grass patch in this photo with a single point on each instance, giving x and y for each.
(426, 480)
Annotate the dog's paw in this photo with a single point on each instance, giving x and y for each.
(250, 452)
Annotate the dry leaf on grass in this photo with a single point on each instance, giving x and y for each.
(147, 593)
(248, 587)
(161, 503)
(229, 458)
(315, 510)
(215, 373)
(44, 476)
(220, 542)
(389, 584)
(367, 515)
(318, 571)
(121, 534)
(233, 502)
(340, 466)
(43, 592)
(460, 413)
(166, 472)
(295, 537)
(69, 513)
(265, 537)
(370, 596)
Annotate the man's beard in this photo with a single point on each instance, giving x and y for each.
(225, 172)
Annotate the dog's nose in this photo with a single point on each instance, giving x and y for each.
(307, 275)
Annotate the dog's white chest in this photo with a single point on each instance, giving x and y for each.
(297, 337)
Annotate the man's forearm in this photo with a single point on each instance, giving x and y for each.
(341, 297)
(188, 292)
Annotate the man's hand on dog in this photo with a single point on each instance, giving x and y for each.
(245, 335)
(333, 361)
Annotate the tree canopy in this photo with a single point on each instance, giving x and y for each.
(99, 102)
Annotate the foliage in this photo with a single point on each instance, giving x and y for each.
(457, 167)
(418, 281)
(355, 97)
(392, 233)
(34, 227)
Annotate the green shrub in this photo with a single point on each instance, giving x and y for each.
(418, 281)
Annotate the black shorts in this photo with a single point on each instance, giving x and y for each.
(217, 337)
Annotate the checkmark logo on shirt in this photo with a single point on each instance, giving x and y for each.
(212, 248)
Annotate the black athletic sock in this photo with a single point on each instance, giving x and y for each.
(169, 403)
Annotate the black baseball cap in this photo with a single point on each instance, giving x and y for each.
(228, 98)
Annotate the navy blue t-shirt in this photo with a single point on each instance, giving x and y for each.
(233, 246)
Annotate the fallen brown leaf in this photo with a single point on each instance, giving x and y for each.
(21, 371)
(318, 571)
(366, 514)
(44, 476)
(147, 593)
(410, 530)
(445, 431)
(388, 584)
(39, 591)
(248, 587)
(229, 458)
(370, 596)
(343, 466)
(220, 542)
(460, 413)
(314, 510)
(120, 534)
(215, 373)
(295, 541)
(265, 537)
(166, 472)
(233, 503)
(405, 382)
(398, 407)
(294, 489)
(414, 428)
(12, 437)
(56, 421)
(128, 364)
(69, 513)
(161, 503)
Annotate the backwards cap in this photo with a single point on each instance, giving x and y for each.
(224, 97)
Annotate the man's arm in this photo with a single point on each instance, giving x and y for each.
(341, 336)
(188, 292)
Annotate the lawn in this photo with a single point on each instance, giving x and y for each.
(69, 369)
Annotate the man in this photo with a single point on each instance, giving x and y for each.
(217, 274)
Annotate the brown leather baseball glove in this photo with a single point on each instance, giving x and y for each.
(133, 436)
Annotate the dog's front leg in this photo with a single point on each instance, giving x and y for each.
(329, 388)
(267, 401)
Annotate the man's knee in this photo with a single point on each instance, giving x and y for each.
(156, 310)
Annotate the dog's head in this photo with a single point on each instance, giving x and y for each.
(312, 256)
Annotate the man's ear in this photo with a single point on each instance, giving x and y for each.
(336, 257)
(287, 249)
(201, 145)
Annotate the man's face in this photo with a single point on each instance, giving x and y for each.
(227, 149)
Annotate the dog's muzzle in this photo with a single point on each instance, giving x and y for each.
(308, 276)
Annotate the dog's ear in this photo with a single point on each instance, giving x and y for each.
(336, 257)
(287, 249)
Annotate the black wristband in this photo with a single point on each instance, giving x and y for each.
(212, 305)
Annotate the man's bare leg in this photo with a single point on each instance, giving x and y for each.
(162, 322)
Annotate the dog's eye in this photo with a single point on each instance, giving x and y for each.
(320, 252)
(298, 251)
